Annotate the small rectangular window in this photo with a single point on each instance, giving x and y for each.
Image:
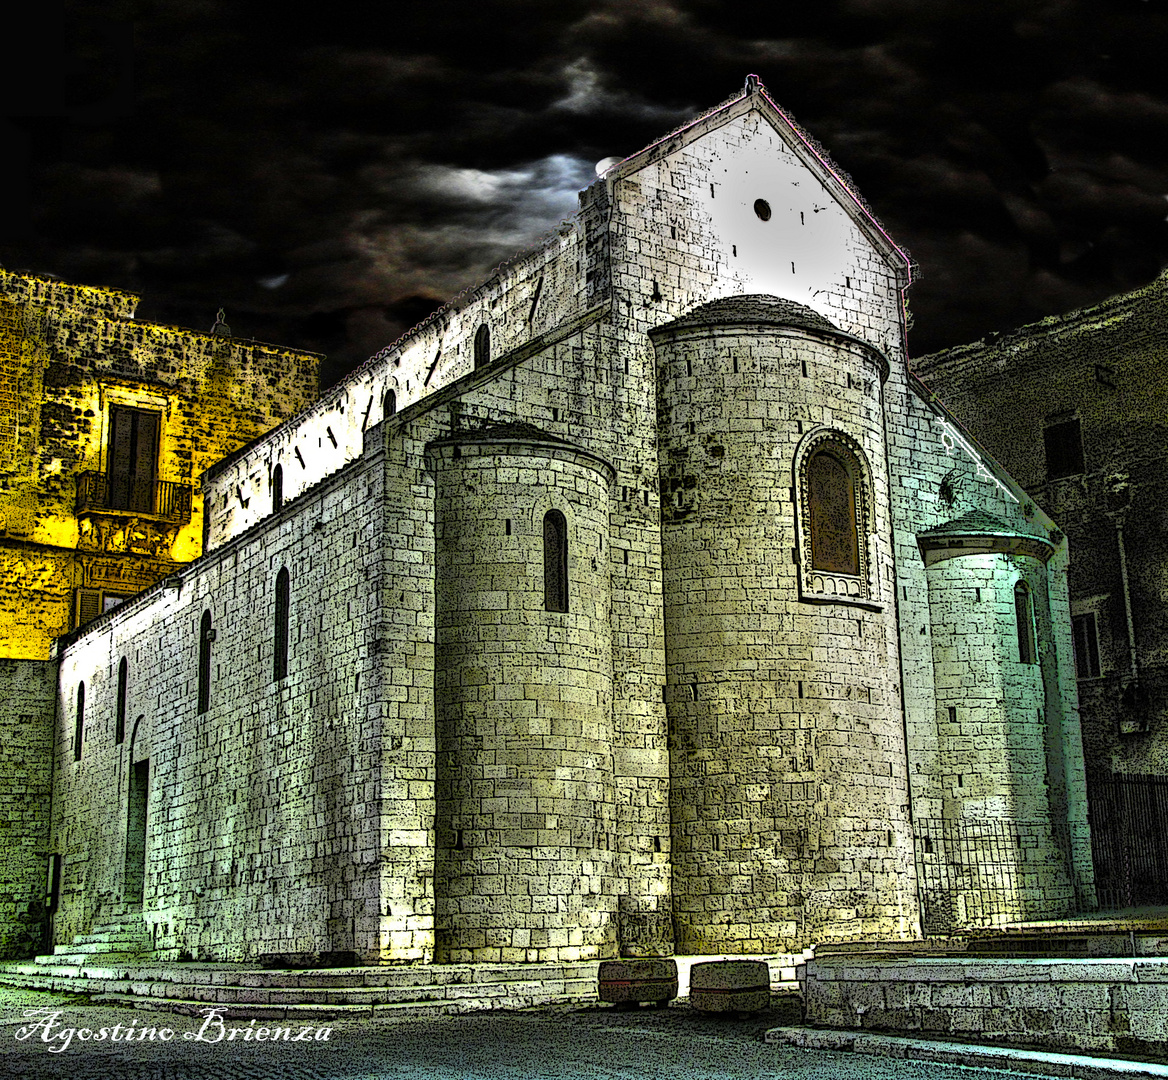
(1086, 635)
(1064, 449)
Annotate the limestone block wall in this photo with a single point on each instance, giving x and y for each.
(683, 230)
(1110, 1006)
(789, 778)
(28, 689)
(525, 796)
(292, 816)
(1003, 788)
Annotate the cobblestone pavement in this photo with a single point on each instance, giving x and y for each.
(548, 1044)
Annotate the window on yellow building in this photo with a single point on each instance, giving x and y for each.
(132, 459)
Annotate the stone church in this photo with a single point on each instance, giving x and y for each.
(640, 600)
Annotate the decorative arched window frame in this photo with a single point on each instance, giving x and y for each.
(818, 584)
(389, 403)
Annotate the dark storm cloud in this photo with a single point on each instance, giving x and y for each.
(329, 179)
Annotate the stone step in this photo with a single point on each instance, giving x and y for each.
(84, 960)
(281, 1002)
(127, 944)
(125, 933)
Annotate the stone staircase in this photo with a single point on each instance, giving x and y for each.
(242, 990)
(289, 994)
(120, 937)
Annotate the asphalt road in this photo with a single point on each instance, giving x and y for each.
(549, 1044)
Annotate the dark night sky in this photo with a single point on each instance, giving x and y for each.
(327, 177)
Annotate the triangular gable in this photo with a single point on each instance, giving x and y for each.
(813, 157)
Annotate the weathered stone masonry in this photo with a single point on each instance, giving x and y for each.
(694, 430)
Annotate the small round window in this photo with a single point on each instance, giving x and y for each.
(763, 209)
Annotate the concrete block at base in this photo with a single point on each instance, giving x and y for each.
(730, 986)
(637, 980)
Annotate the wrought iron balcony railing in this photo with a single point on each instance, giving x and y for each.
(164, 499)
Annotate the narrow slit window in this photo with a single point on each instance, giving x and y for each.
(277, 488)
(79, 722)
(482, 346)
(280, 642)
(206, 637)
(389, 406)
(1024, 615)
(123, 686)
(555, 561)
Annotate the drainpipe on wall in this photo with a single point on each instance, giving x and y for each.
(1132, 712)
(1127, 608)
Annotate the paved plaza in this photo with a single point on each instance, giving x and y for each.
(561, 1042)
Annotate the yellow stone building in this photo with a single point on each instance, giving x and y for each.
(106, 424)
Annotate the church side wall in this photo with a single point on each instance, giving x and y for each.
(270, 814)
(28, 689)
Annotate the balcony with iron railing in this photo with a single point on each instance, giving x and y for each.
(166, 500)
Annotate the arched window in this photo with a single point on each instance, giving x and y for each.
(389, 405)
(1024, 616)
(280, 639)
(206, 636)
(277, 488)
(834, 508)
(120, 722)
(555, 561)
(79, 722)
(482, 346)
(835, 542)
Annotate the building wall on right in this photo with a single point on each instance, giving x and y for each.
(1076, 409)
